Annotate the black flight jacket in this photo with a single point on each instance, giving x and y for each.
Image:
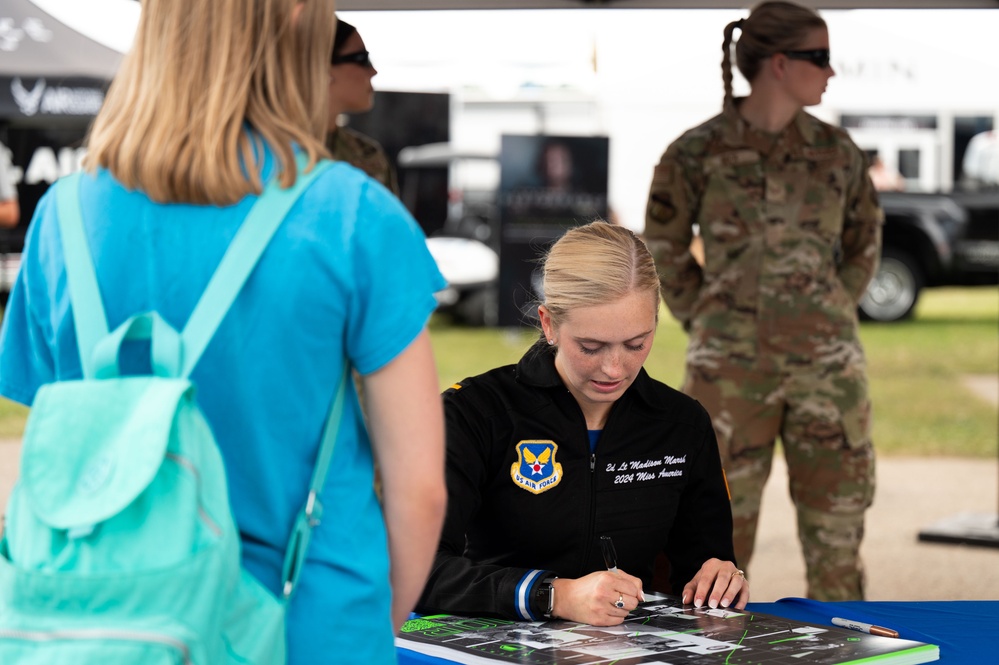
(527, 499)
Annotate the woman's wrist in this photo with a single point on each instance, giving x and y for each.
(544, 595)
(559, 594)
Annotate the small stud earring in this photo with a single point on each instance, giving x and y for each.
(551, 342)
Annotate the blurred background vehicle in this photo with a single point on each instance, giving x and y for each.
(466, 246)
(932, 240)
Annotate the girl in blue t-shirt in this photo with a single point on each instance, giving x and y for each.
(213, 100)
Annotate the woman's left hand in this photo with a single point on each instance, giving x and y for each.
(717, 583)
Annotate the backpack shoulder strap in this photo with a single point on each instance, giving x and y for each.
(89, 318)
(239, 260)
(237, 263)
(312, 512)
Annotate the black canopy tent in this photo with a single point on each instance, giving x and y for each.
(48, 69)
(52, 83)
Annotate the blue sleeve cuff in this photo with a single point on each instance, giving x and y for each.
(523, 600)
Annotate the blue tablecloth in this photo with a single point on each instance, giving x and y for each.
(967, 631)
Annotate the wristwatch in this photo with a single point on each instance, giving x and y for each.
(545, 593)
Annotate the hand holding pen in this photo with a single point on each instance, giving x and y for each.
(610, 561)
(602, 598)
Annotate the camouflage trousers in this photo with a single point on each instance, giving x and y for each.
(823, 421)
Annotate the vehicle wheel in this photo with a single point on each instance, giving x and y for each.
(893, 292)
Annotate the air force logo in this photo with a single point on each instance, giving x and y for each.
(536, 469)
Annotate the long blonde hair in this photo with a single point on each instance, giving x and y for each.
(175, 118)
(596, 264)
(770, 28)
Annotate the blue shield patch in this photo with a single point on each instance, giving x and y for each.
(536, 469)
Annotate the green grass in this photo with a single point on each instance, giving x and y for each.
(916, 369)
(12, 417)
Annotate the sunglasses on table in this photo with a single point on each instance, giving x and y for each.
(362, 58)
(818, 57)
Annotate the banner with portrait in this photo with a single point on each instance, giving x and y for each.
(548, 184)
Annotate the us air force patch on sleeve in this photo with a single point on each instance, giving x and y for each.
(536, 469)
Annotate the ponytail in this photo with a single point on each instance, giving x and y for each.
(727, 61)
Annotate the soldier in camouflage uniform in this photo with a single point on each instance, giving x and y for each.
(350, 91)
(791, 231)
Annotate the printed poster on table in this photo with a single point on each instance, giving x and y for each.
(661, 631)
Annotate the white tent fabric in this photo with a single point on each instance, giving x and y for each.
(109, 22)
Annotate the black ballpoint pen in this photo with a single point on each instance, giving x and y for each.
(610, 560)
(610, 554)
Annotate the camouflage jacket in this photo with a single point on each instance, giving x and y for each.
(791, 230)
(347, 145)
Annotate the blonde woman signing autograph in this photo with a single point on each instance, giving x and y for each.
(576, 442)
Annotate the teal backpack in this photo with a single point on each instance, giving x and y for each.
(120, 544)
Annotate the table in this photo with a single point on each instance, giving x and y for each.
(967, 631)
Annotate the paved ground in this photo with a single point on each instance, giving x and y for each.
(912, 494)
(983, 385)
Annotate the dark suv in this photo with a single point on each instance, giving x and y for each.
(932, 240)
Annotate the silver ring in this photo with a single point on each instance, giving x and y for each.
(620, 601)
(739, 573)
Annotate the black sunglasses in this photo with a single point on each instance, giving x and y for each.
(362, 58)
(818, 57)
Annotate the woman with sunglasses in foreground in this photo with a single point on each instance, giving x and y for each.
(350, 91)
(791, 232)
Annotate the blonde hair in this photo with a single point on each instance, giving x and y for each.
(596, 264)
(174, 123)
(770, 28)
